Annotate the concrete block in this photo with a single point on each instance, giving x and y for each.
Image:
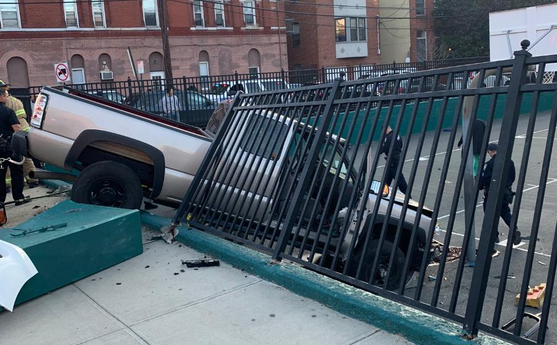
(71, 241)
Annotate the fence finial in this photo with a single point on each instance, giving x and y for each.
(525, 44)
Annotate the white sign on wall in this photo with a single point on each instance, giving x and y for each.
(62, 72)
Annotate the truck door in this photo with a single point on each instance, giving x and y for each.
(251, 165)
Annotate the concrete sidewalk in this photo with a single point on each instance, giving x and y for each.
(154, 299)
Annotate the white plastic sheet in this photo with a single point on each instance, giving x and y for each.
(16, 268)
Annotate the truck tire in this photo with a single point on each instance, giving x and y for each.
(108, 183)
(382, 265)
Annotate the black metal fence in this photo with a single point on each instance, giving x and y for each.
(197, 97)
(299, 174)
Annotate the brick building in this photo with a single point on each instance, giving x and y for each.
(205, 38)
(339, 33)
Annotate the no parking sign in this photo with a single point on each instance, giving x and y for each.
(62, 72)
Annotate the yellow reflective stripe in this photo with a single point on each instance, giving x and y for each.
(26, 129)
(20, 113)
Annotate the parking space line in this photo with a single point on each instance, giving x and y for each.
(504, 242)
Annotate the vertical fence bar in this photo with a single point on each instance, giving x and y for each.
(480, 277)
(308, 171)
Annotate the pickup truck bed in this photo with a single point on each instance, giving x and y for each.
(74, 130)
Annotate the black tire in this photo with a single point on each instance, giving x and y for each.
(382, 265)
(108, 183)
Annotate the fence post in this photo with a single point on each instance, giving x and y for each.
(497, 188)
(129, 87)
(186, 101)
(236, 76)
(282, 76)
(323, 75)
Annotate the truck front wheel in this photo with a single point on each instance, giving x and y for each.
(383, 264)
(108, 183)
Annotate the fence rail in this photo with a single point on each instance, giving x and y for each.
(197, 96)
(299, 174)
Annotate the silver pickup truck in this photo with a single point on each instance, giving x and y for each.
(122, 154)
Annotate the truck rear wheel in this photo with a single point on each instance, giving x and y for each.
(108, 183)
(383, 264)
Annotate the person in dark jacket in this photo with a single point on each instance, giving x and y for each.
(395, 159)
(485, 181)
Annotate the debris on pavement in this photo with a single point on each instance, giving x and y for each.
(542, 263)
(535, 296)
(201, 263)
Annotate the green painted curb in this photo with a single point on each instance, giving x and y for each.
(414, 325)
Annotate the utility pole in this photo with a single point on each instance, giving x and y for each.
(165, 45)
(279, 38)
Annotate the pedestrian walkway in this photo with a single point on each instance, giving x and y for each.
(154, 299)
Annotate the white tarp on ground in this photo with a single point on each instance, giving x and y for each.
(16, 268)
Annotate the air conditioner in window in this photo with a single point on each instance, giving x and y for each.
(107, 75)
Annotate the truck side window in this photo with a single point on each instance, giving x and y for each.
(264, 137)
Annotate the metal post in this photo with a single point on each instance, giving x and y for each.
(478, 286)
(165, 43)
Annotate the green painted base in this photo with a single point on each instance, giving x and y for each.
(93, 239)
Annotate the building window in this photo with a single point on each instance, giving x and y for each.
(98, 14)
(249, 13)
(70, 9)
(296, 34)
(9, 16)
(356, 30)
(420, 7)
(198, 13)
(219, 13)
(362, 29)
(340, 29)
(150, 13)
(254, 63)
(421, 46)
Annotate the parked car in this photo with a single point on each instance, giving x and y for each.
(195, 108)
(111, 95)
(227, 89)
(427, 85)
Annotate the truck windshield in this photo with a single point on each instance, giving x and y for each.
(264, 137)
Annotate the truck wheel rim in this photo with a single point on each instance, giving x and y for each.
(107, 192)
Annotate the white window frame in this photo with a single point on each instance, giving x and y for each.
(102, 13)
(5, 7)
(420, 8)
(424, 45)
(198, 13)
(71, 6)
(254, 71)
(349, 30)
(219, 10)
(249, 10)
(156, 12)
(78, 71)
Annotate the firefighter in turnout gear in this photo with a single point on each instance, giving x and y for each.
(17, 106)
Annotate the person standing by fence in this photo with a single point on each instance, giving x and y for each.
(485, 182)
(170, 105)
(392, 164)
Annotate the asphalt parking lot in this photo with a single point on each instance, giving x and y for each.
(531, 201)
